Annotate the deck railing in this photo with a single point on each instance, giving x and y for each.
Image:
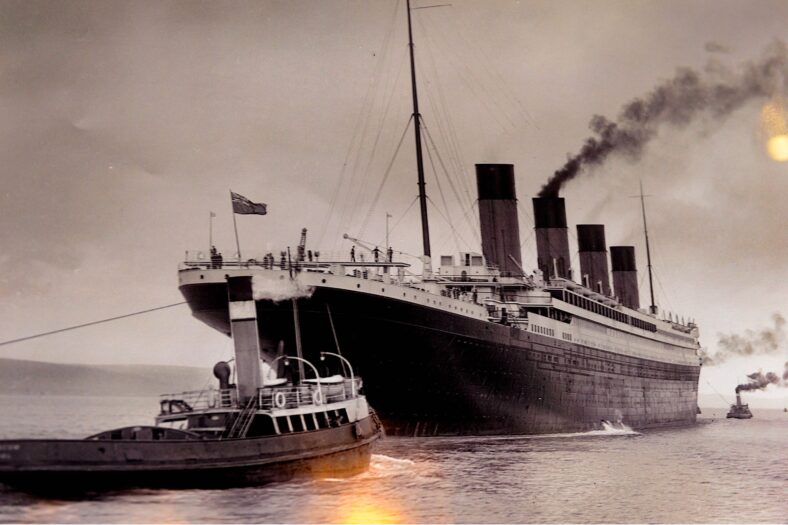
(302, 395)
(271, 397)
(198, 400)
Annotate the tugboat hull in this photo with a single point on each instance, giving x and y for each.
(63, 466)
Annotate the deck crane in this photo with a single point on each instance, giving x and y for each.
(371, 247)
(358, 242)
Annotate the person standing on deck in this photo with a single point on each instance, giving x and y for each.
(376, 253)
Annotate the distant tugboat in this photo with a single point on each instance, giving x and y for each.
(262, 429)
(739, 410)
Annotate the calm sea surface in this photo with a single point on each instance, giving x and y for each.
(720, 470)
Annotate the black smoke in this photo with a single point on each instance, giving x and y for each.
(759, 381)
(753, 342)
(688, 95)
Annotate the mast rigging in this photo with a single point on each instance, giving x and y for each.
(653, 307)
(425, 227)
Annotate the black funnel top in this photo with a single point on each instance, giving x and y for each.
(623, 258)
(591, 238)
(495, 181)
(549, 212)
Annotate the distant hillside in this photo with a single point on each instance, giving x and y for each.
(39, 378)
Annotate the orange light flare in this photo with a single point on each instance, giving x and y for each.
(774, 125)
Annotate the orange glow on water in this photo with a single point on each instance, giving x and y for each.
(365, 510)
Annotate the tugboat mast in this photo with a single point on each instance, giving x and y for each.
(653, 307)
(425, 227)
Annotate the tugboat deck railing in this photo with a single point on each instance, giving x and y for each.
(268, 398)
(304, 395)
(198, 400)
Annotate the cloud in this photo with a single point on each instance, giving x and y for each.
(714, 47)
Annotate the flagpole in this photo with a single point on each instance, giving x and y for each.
(387, 229)
(210, 229)
(235, 227)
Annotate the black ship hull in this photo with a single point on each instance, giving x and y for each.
(76, 466)
(432, 372)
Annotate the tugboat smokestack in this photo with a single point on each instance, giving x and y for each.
(243, 321)
(552, 240)
(500, 227)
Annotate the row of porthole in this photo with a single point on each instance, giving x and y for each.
(358, 285)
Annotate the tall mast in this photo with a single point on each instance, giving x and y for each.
(653, 307)
(425, 226)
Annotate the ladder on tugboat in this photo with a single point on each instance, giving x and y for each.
(243, 421)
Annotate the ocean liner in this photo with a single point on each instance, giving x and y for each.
(480, 346)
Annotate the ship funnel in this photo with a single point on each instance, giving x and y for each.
(498, 218)
(625, 278)
(243, 323)
(552, 242)
(593, 257)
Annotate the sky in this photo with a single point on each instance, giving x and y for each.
(124, 124)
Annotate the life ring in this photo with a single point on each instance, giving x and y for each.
(317, 397)
(280, 400)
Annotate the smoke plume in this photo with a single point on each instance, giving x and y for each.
(762, 342)
(690, 94)
(759, 381)
(278, 290)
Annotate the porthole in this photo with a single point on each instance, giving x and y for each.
(358, 286)
(323, 281)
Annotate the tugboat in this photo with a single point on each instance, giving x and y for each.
(739, 410)
(264, 428)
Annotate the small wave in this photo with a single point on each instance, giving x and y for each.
(335, 480)
(381, 465)
(384, 462)
(608, 430)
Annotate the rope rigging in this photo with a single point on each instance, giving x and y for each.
(715, 391)
(473, 227)
(361, 125)
(383, 181)
(83, 325)
(443, 197)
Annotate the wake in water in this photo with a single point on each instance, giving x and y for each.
(381, 466)
(608, 429)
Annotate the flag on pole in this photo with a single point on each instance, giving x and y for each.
(244, 206)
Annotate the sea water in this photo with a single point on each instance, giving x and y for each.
(720, 470)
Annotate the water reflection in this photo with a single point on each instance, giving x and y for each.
(660, 476)
(364, 508)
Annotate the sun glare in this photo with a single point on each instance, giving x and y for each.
(774, 124)
(778, 148)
